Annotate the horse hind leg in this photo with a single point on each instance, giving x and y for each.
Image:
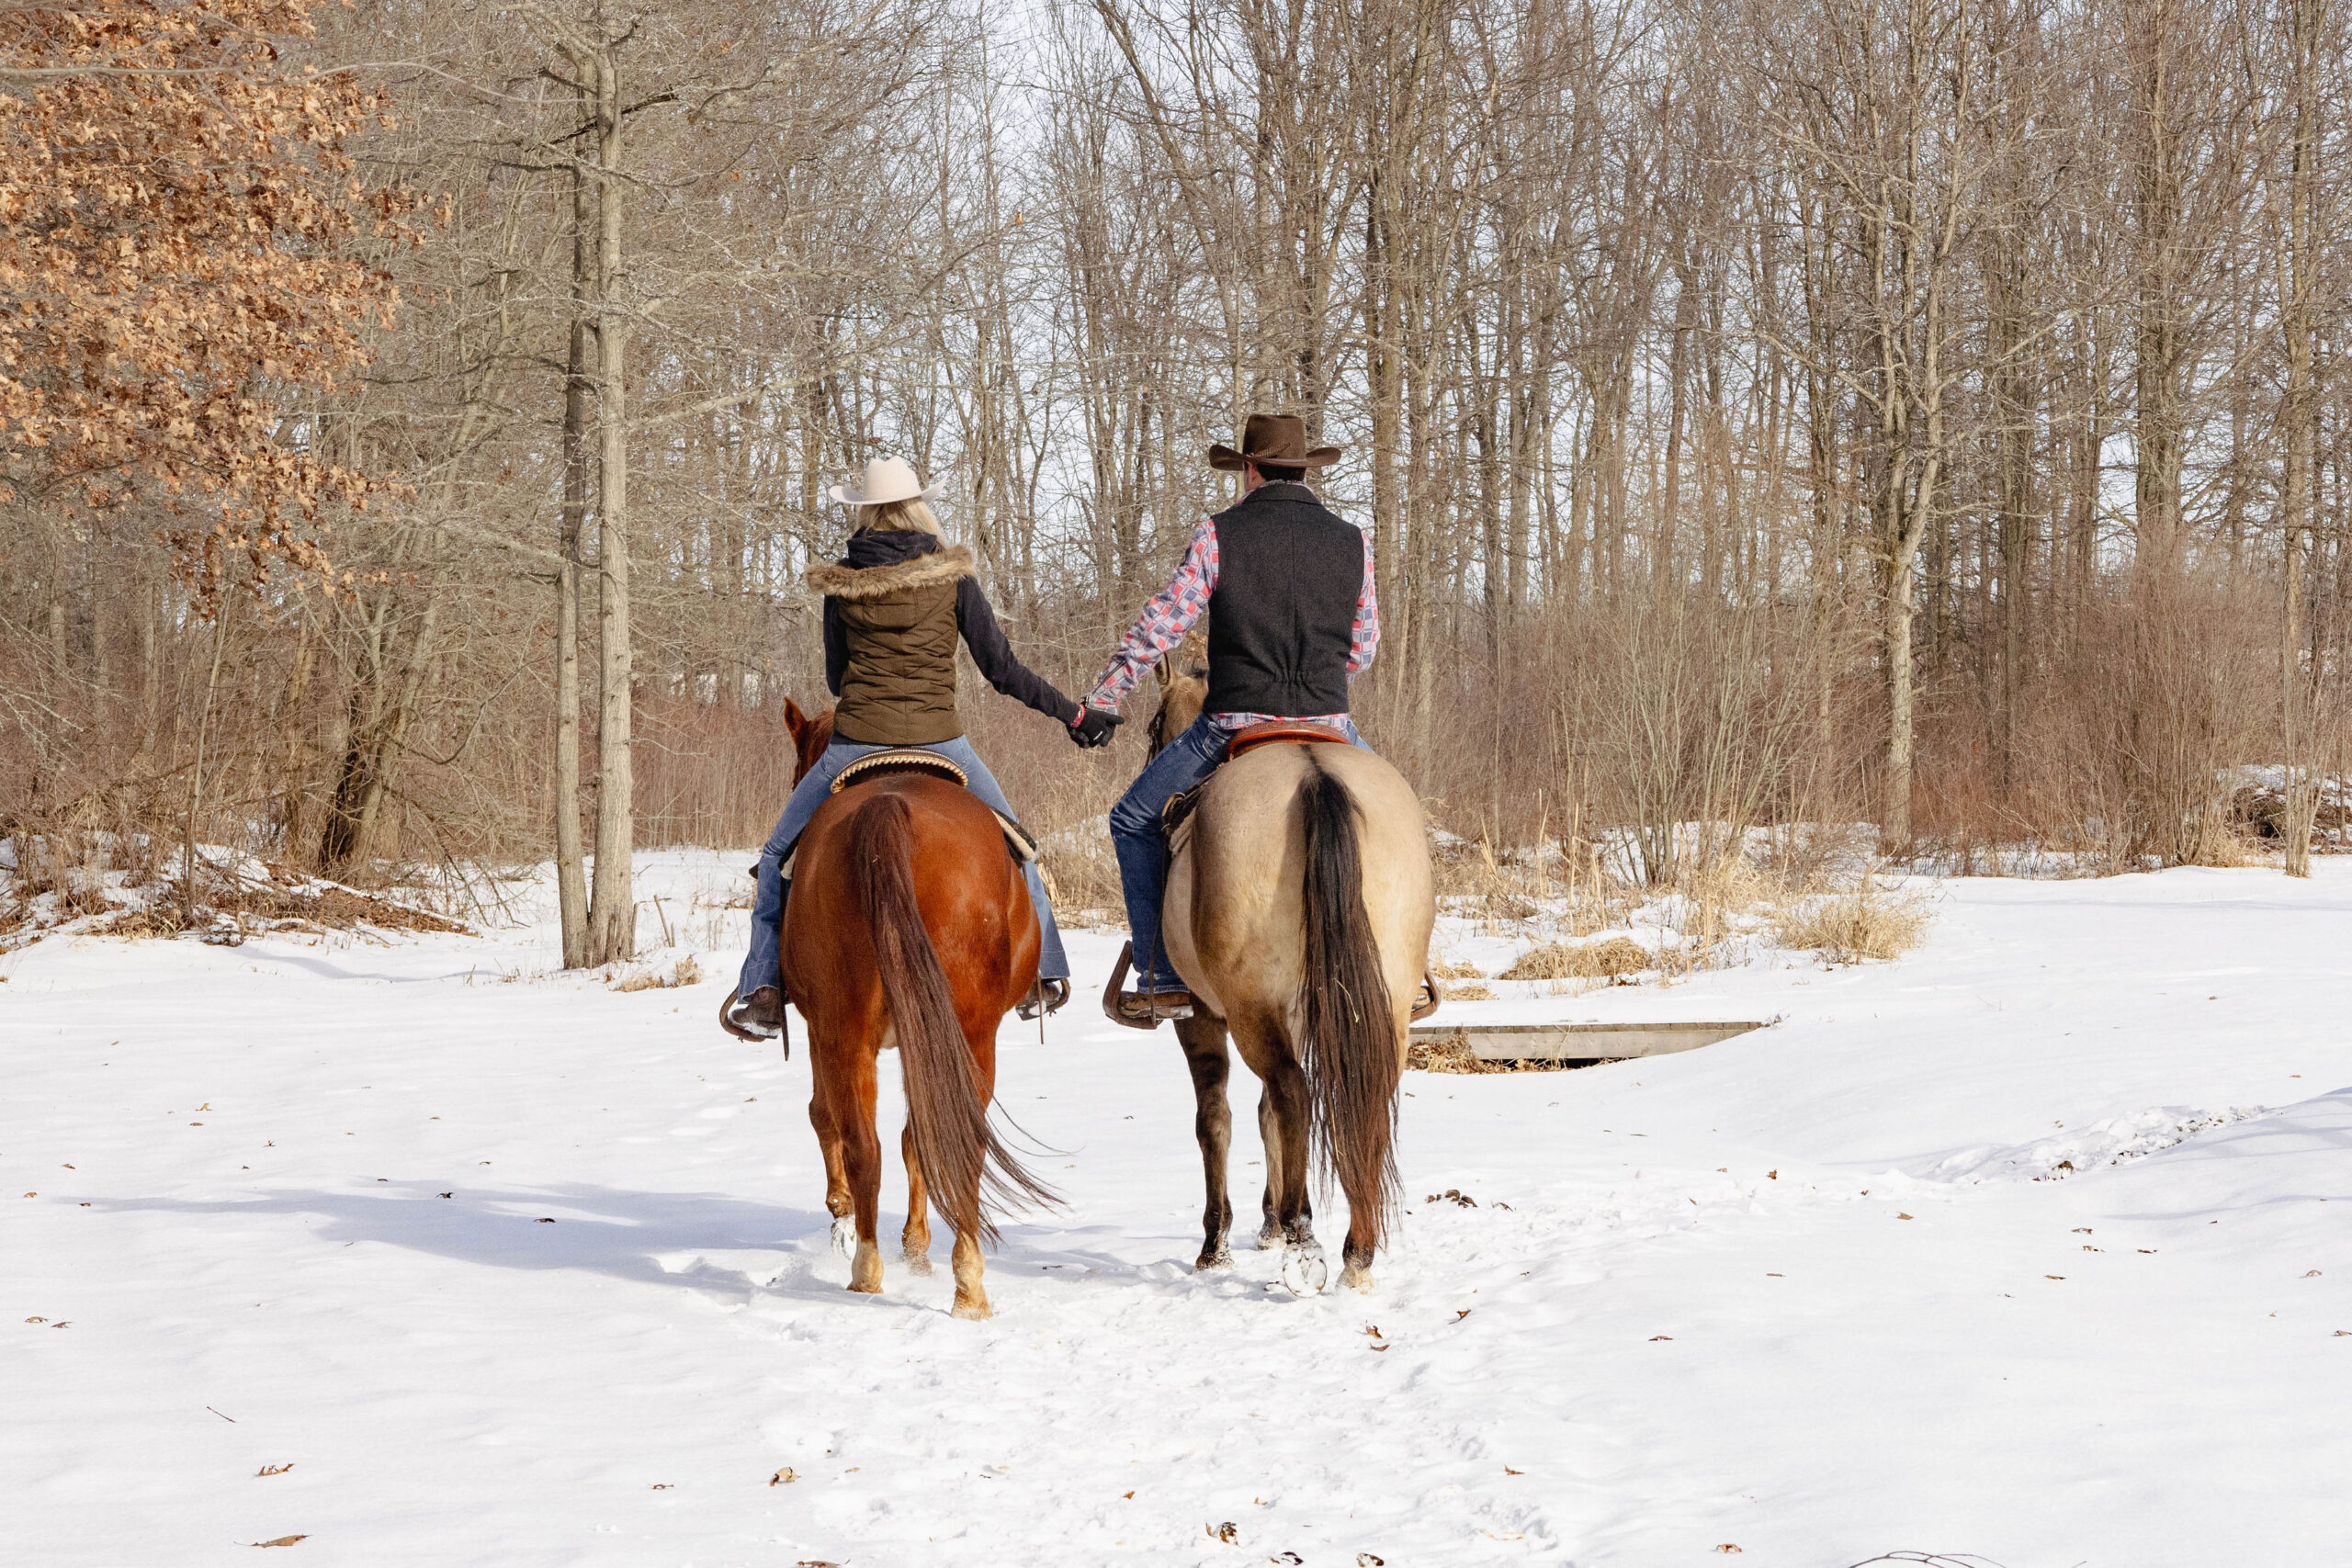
(1355, 1260)
(914, 1241)
(1286, 1106)
(862, 1165)
(1270, 1230)
(971, 1294)
(829, 1144)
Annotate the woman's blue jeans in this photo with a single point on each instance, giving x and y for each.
(1143, 853)
(767, 905)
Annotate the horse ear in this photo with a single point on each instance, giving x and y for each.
(1160, 670)
(795, 720)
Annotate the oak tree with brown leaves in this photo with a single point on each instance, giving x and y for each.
(177, 216)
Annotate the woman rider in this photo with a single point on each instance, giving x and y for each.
(896, 607)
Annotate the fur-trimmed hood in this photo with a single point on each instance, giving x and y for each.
(926, 570)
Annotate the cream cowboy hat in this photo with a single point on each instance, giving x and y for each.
(887, 478)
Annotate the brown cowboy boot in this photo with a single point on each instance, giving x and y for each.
(1141, 1009)
(1045, 998)
(759, 1016)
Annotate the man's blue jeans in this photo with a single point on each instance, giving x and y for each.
(767, 905)
(1143, 853)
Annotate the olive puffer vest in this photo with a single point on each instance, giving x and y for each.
(899, 687)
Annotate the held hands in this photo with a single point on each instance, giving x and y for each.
(1094, 726)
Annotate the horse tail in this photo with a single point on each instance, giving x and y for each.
(1348, 1034)
(965, 1167)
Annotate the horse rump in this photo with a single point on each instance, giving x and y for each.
(965, 1167)
(1347, 1038)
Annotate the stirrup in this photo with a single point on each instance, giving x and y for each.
(1426, 999)
(1045, 998)
(734, 1016)
(1140, 1010)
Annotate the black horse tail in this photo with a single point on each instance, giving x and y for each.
(1347, 1036)
(965, 1167)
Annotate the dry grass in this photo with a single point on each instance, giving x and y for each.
(249, 906)
(1870, 922)
(1451, 1054)
(685, 972)
(1457, 971)
(1581, 961)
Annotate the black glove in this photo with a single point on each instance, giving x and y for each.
(1094, 726)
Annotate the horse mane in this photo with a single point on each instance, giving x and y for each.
(1183, 688)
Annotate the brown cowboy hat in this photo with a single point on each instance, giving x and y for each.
(1279, 438)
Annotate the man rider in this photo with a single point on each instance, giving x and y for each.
(1293, 618)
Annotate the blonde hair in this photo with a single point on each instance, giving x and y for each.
(891, 515)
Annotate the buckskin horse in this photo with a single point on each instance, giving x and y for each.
(909, 926)
(1298, 912)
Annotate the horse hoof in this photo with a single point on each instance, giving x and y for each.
(844, 1235)
(866, 1271)
(1355, 1278)
(1269, 1238)
(1214, 1261)
(973, 1312)
(1304, 1269)
(916, 1262)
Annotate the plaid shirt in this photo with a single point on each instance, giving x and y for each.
(1173, 609)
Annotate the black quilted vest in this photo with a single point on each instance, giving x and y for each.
(1284, 613)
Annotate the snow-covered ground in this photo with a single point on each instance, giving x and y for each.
(2036, 1244)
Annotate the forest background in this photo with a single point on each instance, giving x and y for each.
(416, 412)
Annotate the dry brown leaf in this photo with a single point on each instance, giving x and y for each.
(281, 1541)
(274, 1469)
(783, 1477)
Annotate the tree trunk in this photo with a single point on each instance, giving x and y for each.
(570, 879)
(612, 914)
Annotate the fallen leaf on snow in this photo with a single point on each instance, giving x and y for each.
(1508, 1470)
(274, 1469)
(281, 1541)
(1656, 1338)
(545, 1221)
(665, 1486)
(784, 1476)
(1227, 1531)
(1367, 1560)
(2313, 1275)
(1727, 1545)
(2053, 1276)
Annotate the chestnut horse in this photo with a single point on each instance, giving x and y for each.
(909, 926)
(1298, 912)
